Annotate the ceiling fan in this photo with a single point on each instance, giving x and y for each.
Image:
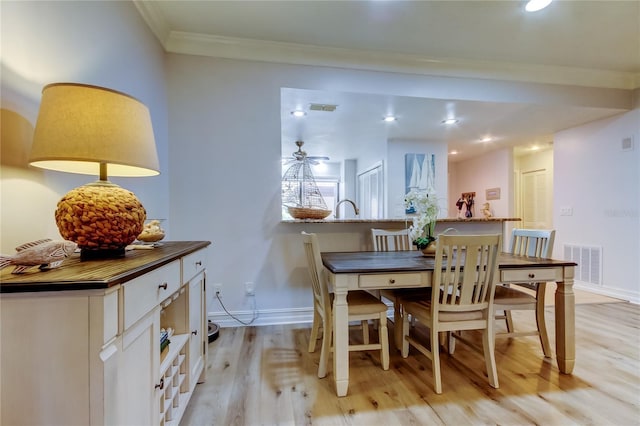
(301, 155)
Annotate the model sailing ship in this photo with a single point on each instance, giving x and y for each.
(300, 193)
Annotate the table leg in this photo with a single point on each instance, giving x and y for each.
(566, 323)
(340, 337)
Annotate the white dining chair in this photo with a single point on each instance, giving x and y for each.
(462, 290)
(533, 243)
(394, 240)
(391, 240)
(362, 306)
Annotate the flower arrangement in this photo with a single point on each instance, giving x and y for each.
(425, 204)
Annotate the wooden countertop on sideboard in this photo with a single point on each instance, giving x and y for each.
(76, 274)
(403, 220)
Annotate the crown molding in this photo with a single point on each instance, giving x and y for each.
(304, 54)
(154, 18)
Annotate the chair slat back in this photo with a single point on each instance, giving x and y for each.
(395, 240)
(532, 242)
(316, 271)
(466, 271)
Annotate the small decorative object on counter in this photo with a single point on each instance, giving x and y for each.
(46, 254)
(300, 193)
(486, 210)
(151, 232)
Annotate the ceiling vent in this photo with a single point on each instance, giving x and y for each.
(323, 107)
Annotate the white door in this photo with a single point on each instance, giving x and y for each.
(536, 200)
(371, 193)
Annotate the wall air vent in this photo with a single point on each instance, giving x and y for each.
(323, 107)
(589, 260)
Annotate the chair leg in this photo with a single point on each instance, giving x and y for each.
(405, 335)
(542, 326)
(488, 344)
(313, 337)
(365, 332)
(509, 321)
(451, 342)
(383, 338)
(327, 344)
(435, 360)
(397, 325)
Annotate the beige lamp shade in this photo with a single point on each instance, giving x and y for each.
(80, 127)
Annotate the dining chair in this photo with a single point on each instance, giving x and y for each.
(394, 240)
(363, 306)
(462, 289)
(391, 240)
(534, 243)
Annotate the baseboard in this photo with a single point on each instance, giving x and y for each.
(268, 317)
(631, 297)
(262, 317)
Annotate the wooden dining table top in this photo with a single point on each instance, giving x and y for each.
(414, 260)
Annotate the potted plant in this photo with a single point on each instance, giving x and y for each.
(422, 231)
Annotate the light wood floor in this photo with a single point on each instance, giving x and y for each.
(265, 376)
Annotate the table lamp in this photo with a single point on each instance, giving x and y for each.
(94, 130)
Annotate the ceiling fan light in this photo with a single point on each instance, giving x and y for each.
(536, 5)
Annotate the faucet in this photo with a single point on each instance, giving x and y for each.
(355, 209)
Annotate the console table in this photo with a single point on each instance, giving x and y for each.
(80, 344)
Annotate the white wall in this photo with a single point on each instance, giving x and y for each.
(601, 182)
(100, 43)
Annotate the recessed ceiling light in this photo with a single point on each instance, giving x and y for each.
(454, 152)
(298, 113)
(389, 118)
(450, 121)
(536, 5)
(486, 139)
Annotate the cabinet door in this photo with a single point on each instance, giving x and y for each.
(45, 363)
(198, 327)
(139, 383)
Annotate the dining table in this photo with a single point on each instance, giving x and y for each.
(378, 270)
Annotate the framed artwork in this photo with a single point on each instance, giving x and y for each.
(493, 194)
(419, 173)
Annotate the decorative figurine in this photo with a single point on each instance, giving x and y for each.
(486, 211)
(459, 204)
(151, 232)
(46, 254)
(469, 203)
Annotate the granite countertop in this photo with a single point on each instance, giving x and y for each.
(403, 220)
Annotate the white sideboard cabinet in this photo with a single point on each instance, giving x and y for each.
(80, 344)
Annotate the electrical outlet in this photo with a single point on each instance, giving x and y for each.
(566, 211)
(217, 289)
(248, 287)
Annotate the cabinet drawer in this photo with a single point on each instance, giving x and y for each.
(144, 293)
(537, 275)
(408, 279)
(193, 264)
